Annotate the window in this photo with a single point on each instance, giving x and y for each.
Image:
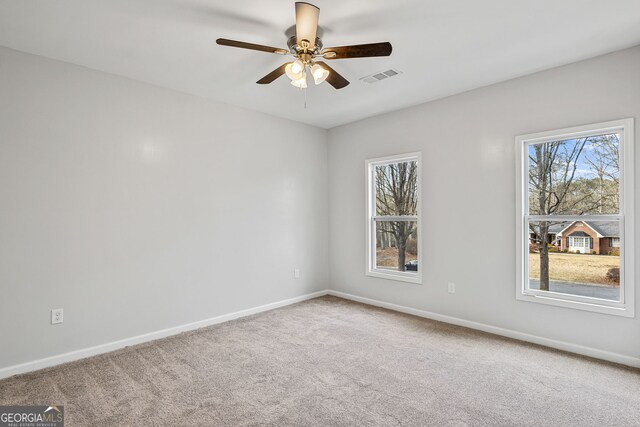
(393, 218)
(577, 184)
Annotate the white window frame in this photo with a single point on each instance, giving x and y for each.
(626, 306)
(371, 218)
(615, 242)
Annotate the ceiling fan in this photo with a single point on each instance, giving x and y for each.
(305, 46)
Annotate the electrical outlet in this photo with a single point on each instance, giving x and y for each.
(296, 273)
(451, 287)
(56, 316)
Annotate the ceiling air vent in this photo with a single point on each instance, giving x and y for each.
(383, 75)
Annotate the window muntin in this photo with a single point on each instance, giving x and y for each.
(393, 226)
(576, 185)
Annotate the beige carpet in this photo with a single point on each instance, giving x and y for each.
(331, 362)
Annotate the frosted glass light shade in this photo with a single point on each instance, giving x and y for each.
(319, 73)
(301, 82)
(294, 70)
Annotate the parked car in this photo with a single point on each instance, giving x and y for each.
(411, 265)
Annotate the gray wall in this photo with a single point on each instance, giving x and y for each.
(136, 208)
(467, 145)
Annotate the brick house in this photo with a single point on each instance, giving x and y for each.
(602, 238)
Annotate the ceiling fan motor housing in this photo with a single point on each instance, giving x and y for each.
(296, 49)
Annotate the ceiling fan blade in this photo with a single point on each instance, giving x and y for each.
(334, 79)
(307, 23)
(358, 51)
(273, 75)
(244, 45)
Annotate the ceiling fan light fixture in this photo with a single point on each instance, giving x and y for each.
(305, 46)
(319, 73)
(301, 82)
(295, 70)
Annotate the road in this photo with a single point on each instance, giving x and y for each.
(594, 291)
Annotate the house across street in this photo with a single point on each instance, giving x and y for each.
(599, 237)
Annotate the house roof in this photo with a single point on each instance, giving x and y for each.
(604, 228)
(579, 234)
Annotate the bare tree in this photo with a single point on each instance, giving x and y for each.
(604, 159)
(605, 156)
(552, 169)
(396, 195)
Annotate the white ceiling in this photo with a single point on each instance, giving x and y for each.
(442, 47)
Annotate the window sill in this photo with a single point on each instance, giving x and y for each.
(587, 304)
(398, 276)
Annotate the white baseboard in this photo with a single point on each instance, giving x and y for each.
(560, 345)
(115, 345)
